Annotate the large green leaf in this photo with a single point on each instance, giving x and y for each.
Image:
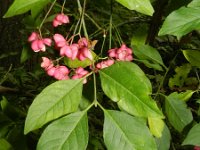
(163, 143)
(59, 98)
(124, 132)
(126, 84)
(177, 112)
(194, 3)
(38, 7)
(67, 133)
(150, 55)
(5, 145)
(181, 22)
(142, 6)
(193, 137)
(22, 6)
(193, 57)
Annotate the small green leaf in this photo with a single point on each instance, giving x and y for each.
(163, 143)
(176, 23)
(194, 3)
(67, 133)
(125, 132)
(180, 77)
(126, 84)
(156, 126)
(177, 112)
(149, 55)
(5, 145)
(139, 35)
(142, 6)
(21, 6)
(25, 55)
(184, 96)
(59, 98)
(193, 57)
(193, 137)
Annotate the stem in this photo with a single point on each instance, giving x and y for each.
(46, 15)
(82, 13)
(104, 38)
(162, 82)
(89, 107)
(63, 6)
(93, 21)
(95, 87)
(110, 26)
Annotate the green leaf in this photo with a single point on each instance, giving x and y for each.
(176, 23)
(126, 84)
(5, 145)
(22, 6)
(184, 96)
(59, 98)
(177, 112)
(180, 77)
(142, 6)
(149, 56)
(193, 57)
(25, 55)
(67, 133)
(124, 132)
(156, 126)
(194, 3)
(140, 35)
(38, 7)
(193, 137)
(163, 143)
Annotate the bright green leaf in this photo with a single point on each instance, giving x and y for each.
(59, 98)
(142, 6)
(156, 126)
(149, 55)
(184, 96)
(125, 132)
(163, 143)
(193, 57)
(181, 21)
(126, 84)
(67, 133)
(193, 137)
(177, 112)
(22, 6)
(194, 3)
(5, 145)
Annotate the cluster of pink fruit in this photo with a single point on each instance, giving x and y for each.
(80, 50)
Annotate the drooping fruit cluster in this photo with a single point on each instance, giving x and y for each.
(79, 50)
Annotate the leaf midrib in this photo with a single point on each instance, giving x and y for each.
(129, 92)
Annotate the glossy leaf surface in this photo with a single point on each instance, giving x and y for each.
(125, 132)
(67, 133)
(126, 84)
(176, 23)
(142, 6)
(177, 112)
(59, 98)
